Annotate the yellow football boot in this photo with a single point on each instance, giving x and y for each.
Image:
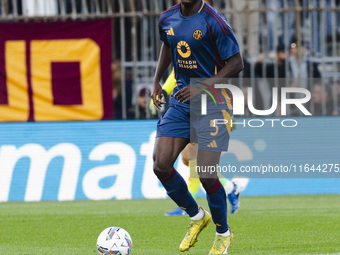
(221, 244)
(195, 227)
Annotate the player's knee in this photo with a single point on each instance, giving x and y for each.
(162, 169)
(207, 182)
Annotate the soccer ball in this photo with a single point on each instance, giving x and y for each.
(114, 240)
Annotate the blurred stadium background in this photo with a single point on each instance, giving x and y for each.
(75, 84)
(73, 71)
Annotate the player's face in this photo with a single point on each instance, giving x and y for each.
(190, 2)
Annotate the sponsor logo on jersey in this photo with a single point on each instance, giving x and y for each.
(181, 46)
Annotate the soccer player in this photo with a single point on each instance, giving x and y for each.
(194, 32)
(233, 188)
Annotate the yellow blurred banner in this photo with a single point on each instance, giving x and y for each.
(55, 71)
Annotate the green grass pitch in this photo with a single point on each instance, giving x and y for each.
(263, 225)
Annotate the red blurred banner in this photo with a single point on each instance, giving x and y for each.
(55, 71)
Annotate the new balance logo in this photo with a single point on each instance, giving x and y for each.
(170, 32)
(212, 144)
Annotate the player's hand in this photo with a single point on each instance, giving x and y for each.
(152, 107)
(157, 95)
(187, 93)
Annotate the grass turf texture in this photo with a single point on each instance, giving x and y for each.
(263, 225)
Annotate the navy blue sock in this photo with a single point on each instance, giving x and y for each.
(177, 190)
(217, 201)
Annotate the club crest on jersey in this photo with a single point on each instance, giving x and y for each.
(182, 45)
(197, 34)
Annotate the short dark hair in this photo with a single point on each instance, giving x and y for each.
(295, 41)
(281, 47)
(144, 91)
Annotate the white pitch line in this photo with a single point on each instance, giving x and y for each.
(330, 254)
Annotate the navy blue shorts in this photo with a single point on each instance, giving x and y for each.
(209, 131)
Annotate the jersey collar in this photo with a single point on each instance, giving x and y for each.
(192, 16)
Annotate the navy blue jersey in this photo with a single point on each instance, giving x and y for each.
(199, 44)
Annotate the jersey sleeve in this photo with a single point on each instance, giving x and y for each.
(162, 34)
(226, 41)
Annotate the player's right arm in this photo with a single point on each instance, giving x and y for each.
(163, 63)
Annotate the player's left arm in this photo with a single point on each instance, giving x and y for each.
(233, 66)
